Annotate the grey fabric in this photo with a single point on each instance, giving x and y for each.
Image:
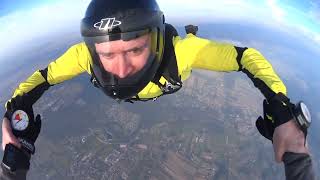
(18, 175)
(298, 166)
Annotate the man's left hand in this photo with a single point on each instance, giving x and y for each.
(278, 125)
(288, 137)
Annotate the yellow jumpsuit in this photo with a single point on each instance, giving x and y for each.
(191, 52)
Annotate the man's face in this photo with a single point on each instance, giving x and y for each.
(124, 58)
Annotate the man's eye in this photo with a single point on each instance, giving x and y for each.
(108, 55)
(136, 51)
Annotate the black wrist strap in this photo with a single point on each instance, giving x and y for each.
(27, 145)
(15, 159)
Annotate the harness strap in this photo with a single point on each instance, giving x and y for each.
(168, 68)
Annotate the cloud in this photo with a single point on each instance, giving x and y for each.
(314, 12)
(310, 37)
(234, 42)
(317, 37)
(309, 33)
(277, 12)
(208, 10)
(18, 27)
(267, 13)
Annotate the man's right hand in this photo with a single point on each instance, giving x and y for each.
(7, 135)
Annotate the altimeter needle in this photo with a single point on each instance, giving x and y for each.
(17, 122)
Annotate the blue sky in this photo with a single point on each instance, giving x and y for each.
(40, 17)
(290, 7)
(8, 6)
(306, 13)
(295, 17)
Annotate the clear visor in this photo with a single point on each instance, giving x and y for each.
(125, 61)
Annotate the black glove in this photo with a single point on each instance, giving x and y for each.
(191, 29)
(27, 137)
(266, 124)
(281, 109)
(275, 112)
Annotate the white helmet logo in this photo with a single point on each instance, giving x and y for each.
(107, 23)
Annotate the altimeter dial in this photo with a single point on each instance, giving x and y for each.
(20, 120)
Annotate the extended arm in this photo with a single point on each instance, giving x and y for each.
(72, 63)
(195, 52)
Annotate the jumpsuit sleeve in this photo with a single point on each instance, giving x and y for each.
(298, 166)
(73, 62)
(195, 52)
(18, 175)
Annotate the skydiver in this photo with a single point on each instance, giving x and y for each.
(132, 54)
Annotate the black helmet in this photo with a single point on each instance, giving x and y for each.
(110, 20)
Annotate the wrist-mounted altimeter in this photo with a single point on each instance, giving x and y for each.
(15, 158)
(302, 115)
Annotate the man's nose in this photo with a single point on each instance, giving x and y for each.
(124, 66)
